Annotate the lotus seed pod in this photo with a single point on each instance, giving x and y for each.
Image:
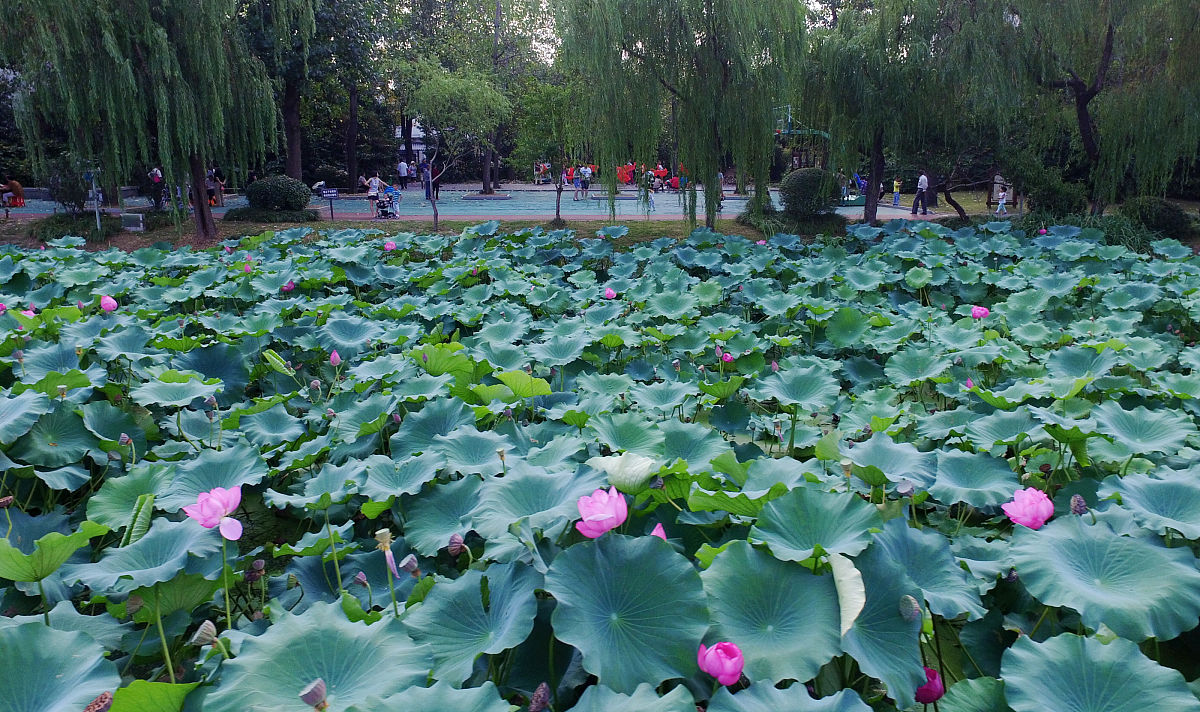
(102, 703)
(409, 564)
(905, 488)
(384, 537)
(1078, 505)
(124, 440)
(206, 634)
(541, 698)
(910, 609)
(1011, 576)
(315, 385)
(456, 545)
(6, 501)
(313, 695)
(62, 391)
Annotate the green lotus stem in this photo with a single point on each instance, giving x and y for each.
(225, 578)
(1125, 467)
(1037, 625)
(225, 651)
(162, 636)
(392, 592)
(9, 518)
(792, 436)
(45, 605)
(550, 671)
(333, 548)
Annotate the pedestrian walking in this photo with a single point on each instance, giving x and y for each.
(919, 198)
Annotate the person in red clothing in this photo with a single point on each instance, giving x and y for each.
(12, 195)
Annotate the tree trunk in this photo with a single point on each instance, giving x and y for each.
(433, 202)
(291, 127)
(206, 229)
(874, 178)
(487, 173)
(351, 143)
(952, 202)
(406, 126)
(496, 171)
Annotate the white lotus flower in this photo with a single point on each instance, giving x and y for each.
(628, 472)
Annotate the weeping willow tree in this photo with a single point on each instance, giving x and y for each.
(134, 83)
(1128, 74)
(722, 64)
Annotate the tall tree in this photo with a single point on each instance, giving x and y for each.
(549, 128)
(1129, 72)
(725, 62)
(131, 82)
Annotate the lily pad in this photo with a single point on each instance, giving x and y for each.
(805, 522)
(47, 670)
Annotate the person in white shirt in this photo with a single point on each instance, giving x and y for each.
(1001, 208)
(585, 179)
(922, 188)
(374, 186)
(402, 170)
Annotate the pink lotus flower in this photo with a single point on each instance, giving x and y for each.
(774, 367)
(288, 287)
(1030, 508)
(761, 242)
(978, 312)
(3, 308)
(727, 357)
(108, 304)
(1042, 231)
(723, 661)
(228, 250)
(970, 383)
(609, 293)
(659, 532)
(78, 304)
(389, 246)
(29, 313)
(212, 509)
(601, 511)
(334, 359)
(933, 689)
(248, 267)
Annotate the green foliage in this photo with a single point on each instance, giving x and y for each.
(1159, 215)
(279, 193)
(1050, 194)
(256, 215)
(80, 225)
(809, 192)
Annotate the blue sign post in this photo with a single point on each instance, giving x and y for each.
(330, 194)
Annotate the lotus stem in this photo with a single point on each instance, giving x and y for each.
(333, 548)
(392, 592)
(225, 578)
(162, 636)
(1045, 610)
(42, 593)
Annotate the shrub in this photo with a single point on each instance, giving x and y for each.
(334, 177)
(79, 225)
(808, 192)
(1057, 197)
(1158, 215)
(278, 193)
(64, 179)
(1117, 229)
(252, 214)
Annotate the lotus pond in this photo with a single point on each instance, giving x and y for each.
(494, 472)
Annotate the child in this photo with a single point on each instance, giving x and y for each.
(896, 192)
(1003, 196)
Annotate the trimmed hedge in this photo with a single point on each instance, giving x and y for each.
(252, 214)
(1158, 215)
(278, 193)
(808, 192)
(77, 225)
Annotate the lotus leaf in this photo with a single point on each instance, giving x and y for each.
(51, 670)
(807, 522)
(765, 698)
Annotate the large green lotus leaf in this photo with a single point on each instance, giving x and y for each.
(534, 494)
(885, 458)
(271, 427)
(159, 555)
(472, 452)
(49, 552)
(1143, 430)
(978, 479)
(1136, 586)
(672, 305)
(1170, 500)
(435, 515)
(882, 640)
(144, 696)
(479, 612)
(633, 607)
(173, 388)
(129, 343)
(809, 388)
(983, 694)
(608, 384)
(807, 521)
(1077, 361)
(104, 629)
(485, 698)
(113, 503)
(1001, 427)
(19, 413)
(356, 662)
(108, 422)
(57, 438)
(47, 670)
(663, 396)
(628, 432)
(784, 619)
(559, 350)
(846, 327)
(333, 484)
(599, 698)
(766, 698)
(925, 556)
(356, 417)
(441, 416)
(232, 467)
(1068, 672)
(387, 477)
(691, 442)
(915, 365)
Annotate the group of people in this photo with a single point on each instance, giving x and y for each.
(426, 172)
(578, 176)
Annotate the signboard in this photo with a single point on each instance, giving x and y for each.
(329, 192)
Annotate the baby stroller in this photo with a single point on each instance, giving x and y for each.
(387, 204)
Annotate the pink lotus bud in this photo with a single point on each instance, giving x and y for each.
(409, 564)
(124, 440)
(389, 246)
(248, 267)
(659, 532)
(970, 383)
(330, 414)
(228, 250)
(717, 349)
(3, 308)
(360, 578)
(727, 357)
(456, 545)
(334, 359)
(108, 304)
(723, 661)
(314, 384)
(774, 367)
(288, 287)
(609, 293)
(474, 271)
(79, 304)
(396, 418)
(933, 689)
(1030, 508)
(601, 511)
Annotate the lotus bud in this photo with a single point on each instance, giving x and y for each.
(102, 703)
(210, 414)
(19, 355)
(180, 323)
(206, 634)
(500, 453)
(541, 698)
(124, 440)
(774, 367)
(360, 578)
(313, 695)
(396, 418)
(314, 384)
(6, 501)
(456, 545)
(529, 369)
(1011, 576)
(424, 358)
(910, 609)
(1078, 505)
(508, 413)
